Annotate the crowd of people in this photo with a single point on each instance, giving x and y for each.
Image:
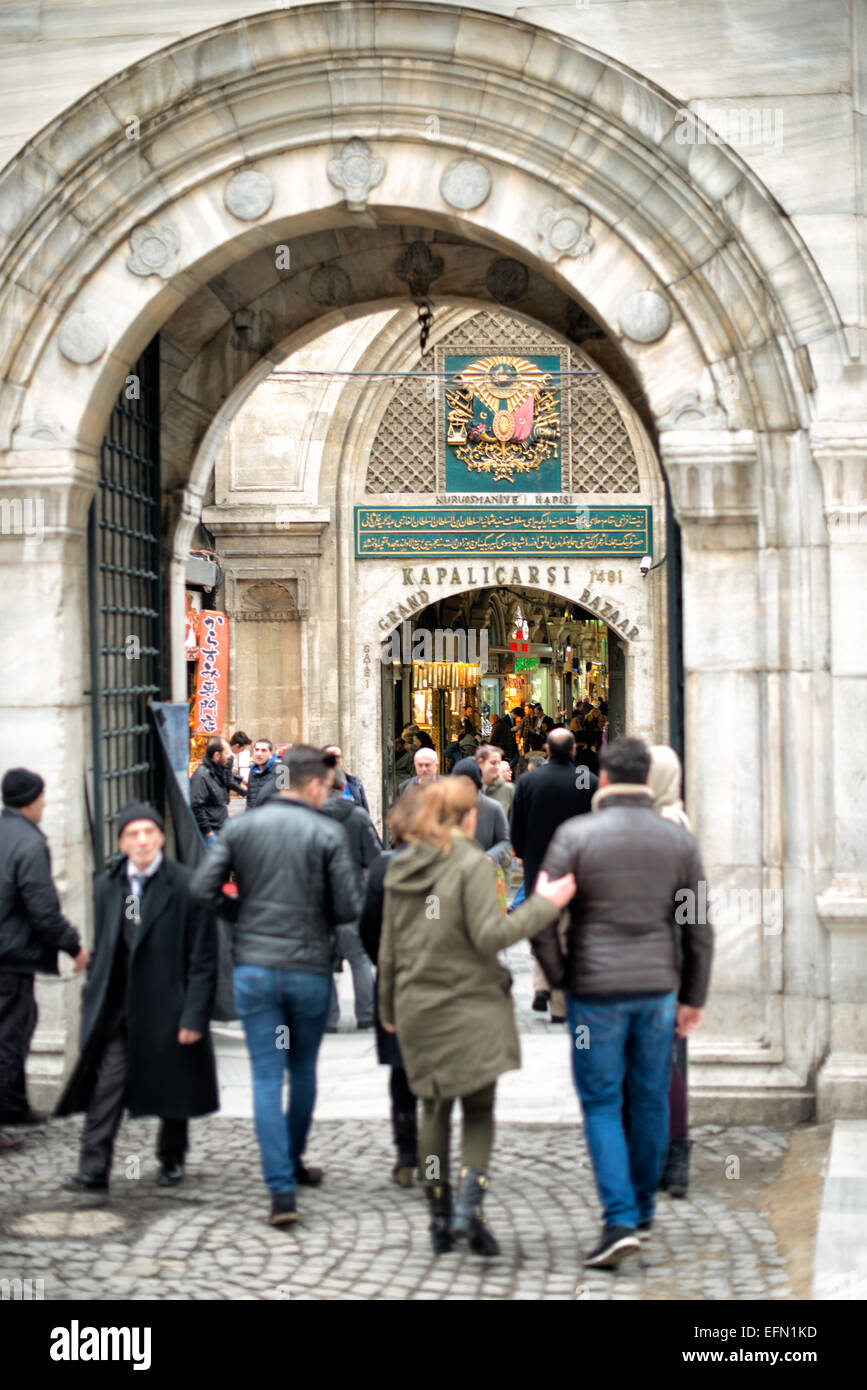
(301, 882)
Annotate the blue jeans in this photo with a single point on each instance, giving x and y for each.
(629, 1042)
(283, 1013)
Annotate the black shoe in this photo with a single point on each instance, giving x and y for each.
(468, 1221)
(556, 1018)
(363, 1027)
(86, 1182)
(540, 1001)
(170, 1175)
(307, 1177)
(283, 1208)
(406, 1143)
(675, 1176)
(617, 1242)
(645, 1230)
(331, 1029)
(439, 1199)
(29, 1117)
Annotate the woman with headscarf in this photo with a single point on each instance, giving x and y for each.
(665, 780)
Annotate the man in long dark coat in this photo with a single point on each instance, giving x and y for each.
(146, 1006)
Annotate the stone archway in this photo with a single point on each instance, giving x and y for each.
(312, 123)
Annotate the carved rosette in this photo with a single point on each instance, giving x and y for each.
(565, 233)
(154, 251)
(355, 172)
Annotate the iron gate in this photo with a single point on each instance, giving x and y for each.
(125, 606)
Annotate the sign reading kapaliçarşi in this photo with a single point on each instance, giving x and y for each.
(418, 532)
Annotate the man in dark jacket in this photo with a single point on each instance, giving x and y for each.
(146, 1007)
(492, 828)
(365, 849)
(636, 873)
(553, 794)
(353, 787)
(264, 770)
(296, 885)
(209, 789)
(503, 737)
(32, 931)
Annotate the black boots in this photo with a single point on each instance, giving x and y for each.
(675, 1175)
(468, 1221)
(407, 1148)
(439, 1199)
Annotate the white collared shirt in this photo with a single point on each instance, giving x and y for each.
(132, 872)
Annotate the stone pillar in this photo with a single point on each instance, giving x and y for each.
(271, 579)
(842, 1079)
(44, 699)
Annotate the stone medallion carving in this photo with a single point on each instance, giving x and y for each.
(266, 601)
(465, 184)
(507, 280)
(248, 195)
(564, 232)
(355, 172)
(82, 338)
(41, 431)
(691, 413)
(154, 251)
(330, 285)
(645, 317)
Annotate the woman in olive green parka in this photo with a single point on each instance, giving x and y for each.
(443, 990)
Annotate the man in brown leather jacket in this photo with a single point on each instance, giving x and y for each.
(638, 876)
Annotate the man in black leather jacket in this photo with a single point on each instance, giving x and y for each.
(638, 875)
(296, 885)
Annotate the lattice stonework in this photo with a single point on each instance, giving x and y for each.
(403, 458)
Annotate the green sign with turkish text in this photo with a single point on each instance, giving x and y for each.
(421, 532)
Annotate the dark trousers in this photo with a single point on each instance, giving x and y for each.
(17, 1026)
(105, 1113)
(403, 1118)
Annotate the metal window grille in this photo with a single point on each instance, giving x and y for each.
(126, 606)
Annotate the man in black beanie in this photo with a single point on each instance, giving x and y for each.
(32, 931)
(146, 1006)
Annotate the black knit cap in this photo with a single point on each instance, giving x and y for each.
(138, 810)
(20, 787)
(468, 767)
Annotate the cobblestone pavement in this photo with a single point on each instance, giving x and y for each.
(361, 1237)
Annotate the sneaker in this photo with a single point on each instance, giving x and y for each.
(617, 1242)
(307, 1177)
(645, 1230)
(540, 1001)
(283, 1208)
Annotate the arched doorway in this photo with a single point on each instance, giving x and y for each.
(483, 653)
(273, 142)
